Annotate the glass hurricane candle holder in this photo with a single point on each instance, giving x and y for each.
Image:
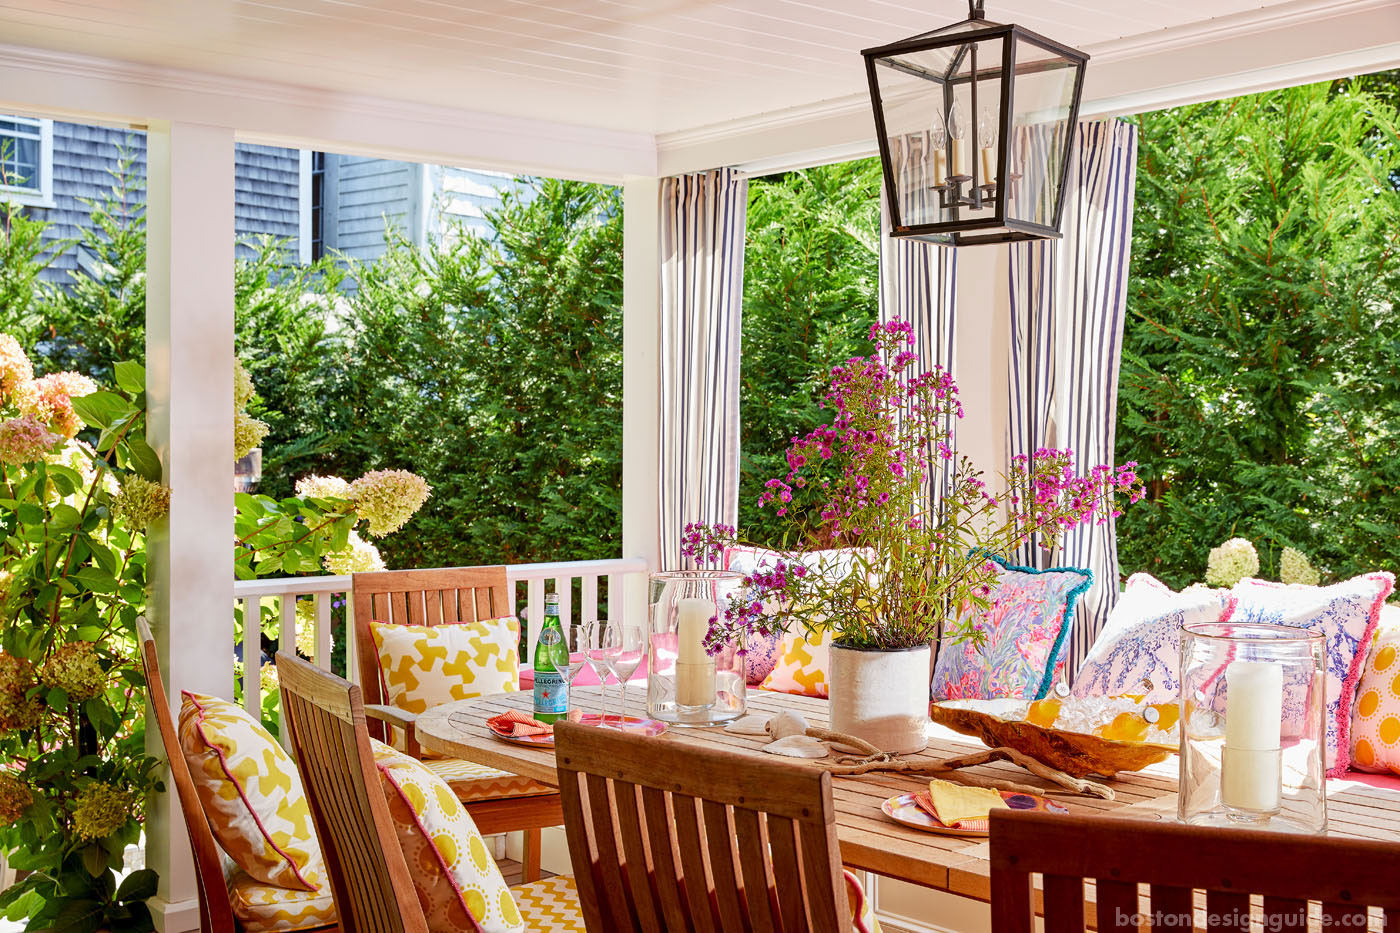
(685, 684)
(1253, 732)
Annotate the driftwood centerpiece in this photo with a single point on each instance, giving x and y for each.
(1002, 724)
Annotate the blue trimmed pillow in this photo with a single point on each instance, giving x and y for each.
(1026, 637)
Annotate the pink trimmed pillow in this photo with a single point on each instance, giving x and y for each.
(1142, 640)
(1346, 614)
(1375, 723)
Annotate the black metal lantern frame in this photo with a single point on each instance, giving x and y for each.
(964, 199)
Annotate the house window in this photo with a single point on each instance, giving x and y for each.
(318, 205)
(26, 160)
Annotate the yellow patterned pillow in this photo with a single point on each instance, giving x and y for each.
(803, 663)
(428, 665)
(251, 792)
(452, 870)
(1375, 721)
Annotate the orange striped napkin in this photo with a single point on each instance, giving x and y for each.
(516, 724)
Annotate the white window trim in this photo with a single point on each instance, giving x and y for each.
(28, 196)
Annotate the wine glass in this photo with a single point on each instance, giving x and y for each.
(596, 653)
(624, 662)
(575, 647)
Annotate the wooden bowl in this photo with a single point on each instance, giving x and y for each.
(1002, 724)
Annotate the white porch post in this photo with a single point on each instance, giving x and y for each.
(641, 383)
(189, 382)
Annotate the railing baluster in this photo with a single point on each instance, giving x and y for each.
(534, 615)
(352, 659)
(614, 594)
(323, 630)
(588, 612)
(286, 641)
(252, 656)
(564, 586)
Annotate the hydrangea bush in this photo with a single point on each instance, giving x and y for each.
(861, 482)
(74, 774)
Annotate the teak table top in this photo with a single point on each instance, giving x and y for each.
(869, 840)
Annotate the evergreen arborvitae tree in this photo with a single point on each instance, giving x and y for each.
(811, 292)
(1260, 388)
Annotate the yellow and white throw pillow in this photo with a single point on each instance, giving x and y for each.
(804, 662)
(453, 872)
(251, 792)
(427, 665)
(1375, 718)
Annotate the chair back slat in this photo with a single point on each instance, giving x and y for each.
(1116, 905)
(636, 858)
(1293, 874)
(215, 911)
(665, 859)
(420, 597)
(666, 836)
(369, 878)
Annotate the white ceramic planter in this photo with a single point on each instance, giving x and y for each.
(881, 696)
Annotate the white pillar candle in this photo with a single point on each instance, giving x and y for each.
(959, 157)
(988, 169)
(1251, 764)
(695, 671)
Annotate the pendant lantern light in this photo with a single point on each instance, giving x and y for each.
(975, 125)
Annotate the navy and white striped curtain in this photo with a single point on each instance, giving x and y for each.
(702, 288)
(1068, 299)
(918, 284)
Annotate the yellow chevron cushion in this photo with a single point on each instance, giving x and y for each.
(803, 663)
(251, 792)
(264, 908)
(471, 781)
(550, 904)
(427, 665)
(458, 883)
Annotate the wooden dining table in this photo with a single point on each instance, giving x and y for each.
(871, 841)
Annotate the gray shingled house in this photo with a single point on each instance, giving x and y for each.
(318, 202)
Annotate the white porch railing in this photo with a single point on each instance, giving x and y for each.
(282, 594)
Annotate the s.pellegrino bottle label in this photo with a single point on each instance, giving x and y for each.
(551, 691)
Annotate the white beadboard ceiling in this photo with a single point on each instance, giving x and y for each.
(650, 66)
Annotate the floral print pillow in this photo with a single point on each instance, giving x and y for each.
(1026, 637)
(1139, 649)
(1346, 614)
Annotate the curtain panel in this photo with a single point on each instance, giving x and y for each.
(702, 286)
(919, 284)
(1068, 299)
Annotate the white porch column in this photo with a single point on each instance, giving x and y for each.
(189, 382)
(641, 383)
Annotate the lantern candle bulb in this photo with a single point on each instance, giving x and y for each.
(957, 129)
(695, 671)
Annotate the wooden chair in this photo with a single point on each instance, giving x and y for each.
(665, 837)
(215, 909)
(1289, 871)
(370, 878)
(437, 597)
(326, 721)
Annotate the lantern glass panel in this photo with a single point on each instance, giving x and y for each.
(936, 134)
(1040, 131)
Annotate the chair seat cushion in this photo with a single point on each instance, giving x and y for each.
(471, 781)
(266, 908)
(550, 904)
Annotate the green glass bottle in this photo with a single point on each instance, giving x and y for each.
(551, 691)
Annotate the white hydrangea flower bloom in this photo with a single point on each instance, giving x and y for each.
(1231, 562)
(1294, 567)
